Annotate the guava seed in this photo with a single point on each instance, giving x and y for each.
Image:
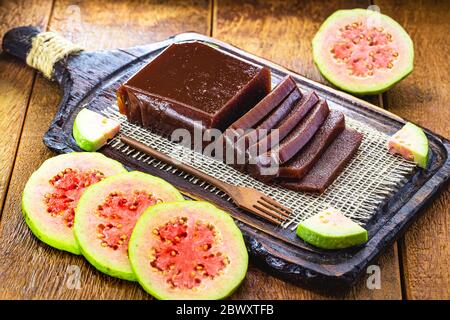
(119, 226)
(182, 243)
(68, 186)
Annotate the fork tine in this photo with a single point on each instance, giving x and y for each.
(271, 207)
(269, 212)
(257, 211)
(276, 204)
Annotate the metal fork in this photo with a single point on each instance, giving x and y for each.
(245, 198)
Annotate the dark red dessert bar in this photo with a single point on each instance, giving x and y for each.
(192, 84)
(331, 163)
(266, 105)
(273, 120)
(292, 144)
(265, 115)
(303, 161)
(290, 121)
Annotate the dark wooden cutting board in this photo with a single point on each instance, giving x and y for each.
(91, 78)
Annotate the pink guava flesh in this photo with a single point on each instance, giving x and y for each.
(186, 252)
(68, 186)
(396, 148)
(118, 214)
(364, 50)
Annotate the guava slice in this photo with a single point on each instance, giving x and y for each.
(52, 192)
(107, 213)
(362, 51)
(411, 143)
(91, 130)
(330, 229)
(188, 250)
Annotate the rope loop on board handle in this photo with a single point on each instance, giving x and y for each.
(48, 48)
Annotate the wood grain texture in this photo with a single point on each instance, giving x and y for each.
(423, 98)
(282, 31)
(120, 24)
(39, 271)
(16, 81)
(260, 285)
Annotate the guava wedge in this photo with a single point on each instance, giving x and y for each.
(330, 229)
(91, 130)
(188, 250)
(107, 213)
(52, 193)
(362, 51)
(411, 143)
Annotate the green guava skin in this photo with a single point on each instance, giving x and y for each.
(60, 245)
(28, 207)
(92, 259)
(326, 237)
(417, 149)
(82, 141)
(158, 210)
(360, 91)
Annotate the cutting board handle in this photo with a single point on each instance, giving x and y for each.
(40, 50)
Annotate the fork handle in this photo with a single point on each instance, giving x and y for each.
(225, 187)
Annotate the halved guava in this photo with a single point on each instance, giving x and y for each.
(107, 213)
(91, 130)
(330, 229)
(362, 51)
(411, 143)
(52, 193)
(188, 250)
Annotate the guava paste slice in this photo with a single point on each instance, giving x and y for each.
(283, 109)
(266, 105)
(303, 161)
(336, 157)
(107, 213)
(290, 121)
(262, 135)
(52, 193)
(266, 166)
(188, 250)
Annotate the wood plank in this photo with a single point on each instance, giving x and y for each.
(259, 285)
(122, 24)
(41, 272)
(423, 99)
(16, 81)
(282, 32)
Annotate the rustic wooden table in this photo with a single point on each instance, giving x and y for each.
(414, 268)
